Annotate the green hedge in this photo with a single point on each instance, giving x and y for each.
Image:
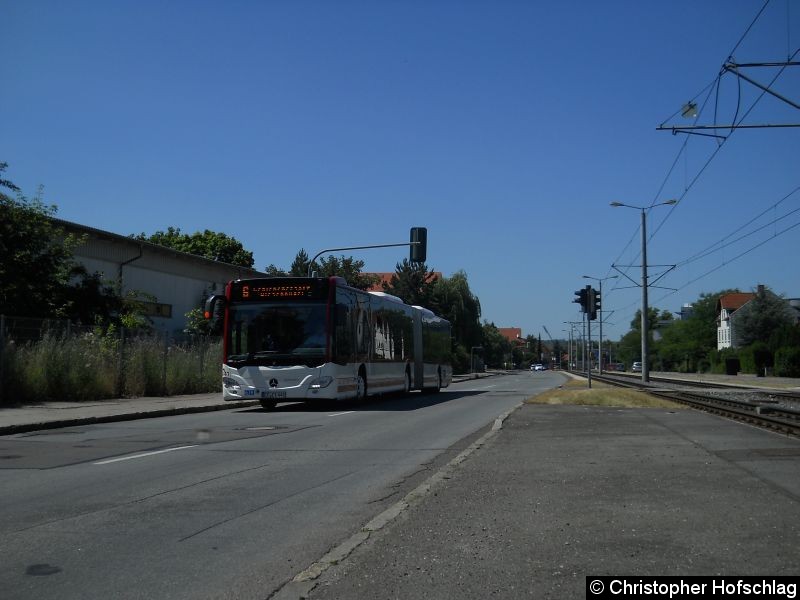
(787, 362)
(755, 358)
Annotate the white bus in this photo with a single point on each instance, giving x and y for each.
(309, 338)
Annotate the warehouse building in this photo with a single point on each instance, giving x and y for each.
(171, 283)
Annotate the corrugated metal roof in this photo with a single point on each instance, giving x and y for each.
(100, 234)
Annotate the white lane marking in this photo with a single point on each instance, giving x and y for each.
(144, 454)
(349, 412)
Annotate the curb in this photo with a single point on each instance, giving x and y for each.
(164, 412)
(304, 582)
(132, 416)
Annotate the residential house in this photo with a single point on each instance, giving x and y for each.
(727, 306)
(732, 307)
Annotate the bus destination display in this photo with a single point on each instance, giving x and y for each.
(274, 290)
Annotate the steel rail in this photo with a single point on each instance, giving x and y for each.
(782, 420)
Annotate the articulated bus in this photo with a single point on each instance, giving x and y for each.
(309, 338)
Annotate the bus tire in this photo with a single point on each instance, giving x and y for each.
(361, 385)
(268, 404)
(436, 388)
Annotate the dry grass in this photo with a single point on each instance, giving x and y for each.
(576, 392)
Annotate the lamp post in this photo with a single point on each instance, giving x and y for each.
(645, 321)
(600, 347)
(573, 356)
(570, 348)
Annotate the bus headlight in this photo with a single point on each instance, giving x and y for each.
(228, 382)
(321, 382)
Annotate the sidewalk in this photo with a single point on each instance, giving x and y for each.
(52, 415)
(561, 493)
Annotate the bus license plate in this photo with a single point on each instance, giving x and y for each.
(277, 395)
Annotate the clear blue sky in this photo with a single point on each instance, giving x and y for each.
(504, 127)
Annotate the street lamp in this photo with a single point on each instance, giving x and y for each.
(600, 347)
(645, 334)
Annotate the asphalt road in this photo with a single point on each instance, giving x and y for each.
(229, 504)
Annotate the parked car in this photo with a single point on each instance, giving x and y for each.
(537, 367)
(637, 367)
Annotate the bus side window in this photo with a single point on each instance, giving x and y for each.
(343, 334)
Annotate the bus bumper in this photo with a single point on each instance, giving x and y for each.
(251, 383)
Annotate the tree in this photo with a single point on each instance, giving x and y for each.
(345, 267)
(90, 300)
(629, 348)
(273, 271)
(786, 336)
(495, 347)
(35, 257)
(208, 244)
(412, 283)
(685, 344)
(760, 318)
(38, 276)
(451, 298)
(703, 320)
(300, 264)
(6, 183)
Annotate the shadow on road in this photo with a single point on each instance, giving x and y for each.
(388, 403)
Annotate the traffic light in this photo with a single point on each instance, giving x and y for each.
(582, 298)
(594, 304)
(419, 244)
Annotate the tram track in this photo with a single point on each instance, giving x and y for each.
(776, 410)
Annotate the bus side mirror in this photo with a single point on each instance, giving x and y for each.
(214, 305)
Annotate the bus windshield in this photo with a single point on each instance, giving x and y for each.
(277, 334)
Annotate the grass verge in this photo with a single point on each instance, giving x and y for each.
(575, 391)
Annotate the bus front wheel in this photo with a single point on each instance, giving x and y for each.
(268, 404)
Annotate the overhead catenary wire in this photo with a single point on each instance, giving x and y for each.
(719, 244)
(709, 90)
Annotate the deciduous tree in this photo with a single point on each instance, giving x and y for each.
(208, 244)
(760, 318)
(38, 275)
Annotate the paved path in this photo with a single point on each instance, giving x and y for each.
(564, 492)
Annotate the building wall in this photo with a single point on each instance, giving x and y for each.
(724, 330)
(176, 281)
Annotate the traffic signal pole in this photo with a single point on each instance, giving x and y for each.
(589, 338)
(418, 244)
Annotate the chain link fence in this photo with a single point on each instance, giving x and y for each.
(52, 360)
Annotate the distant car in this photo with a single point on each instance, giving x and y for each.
(537, 367)
(637, 367)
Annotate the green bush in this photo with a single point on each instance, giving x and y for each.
(717, 359)
(755, 358)
(787, 362)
